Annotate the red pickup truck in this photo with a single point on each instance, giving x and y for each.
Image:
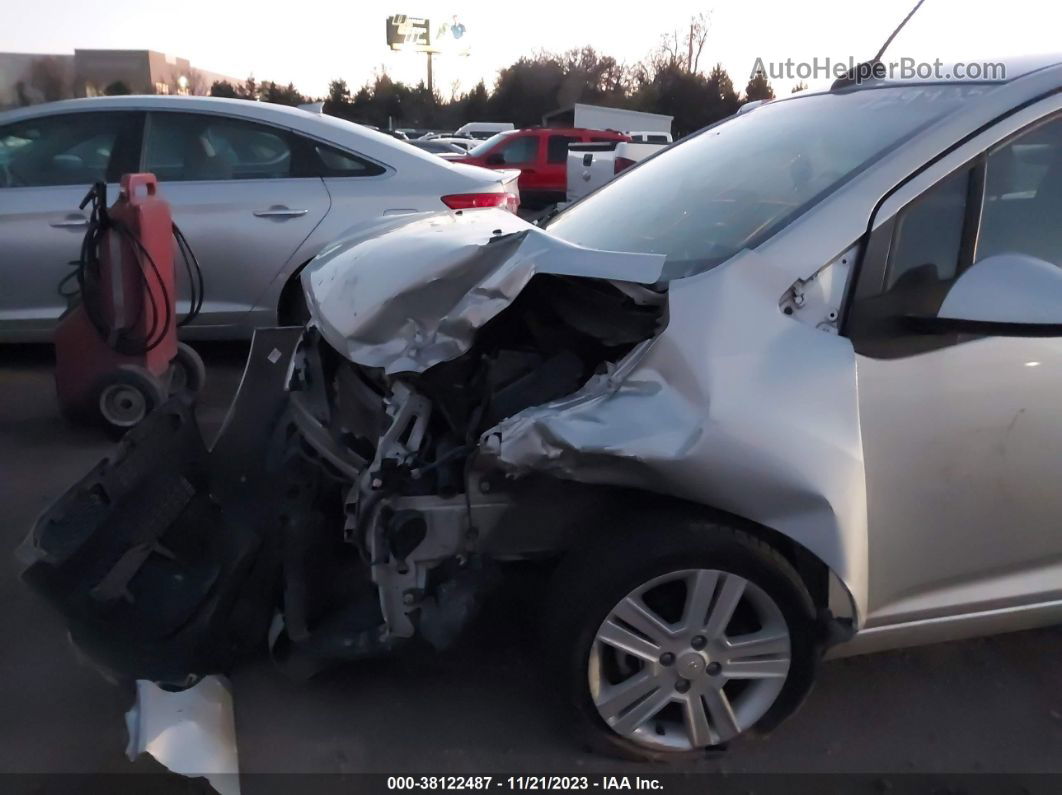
(541, 154)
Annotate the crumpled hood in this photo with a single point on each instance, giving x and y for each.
(410, 292)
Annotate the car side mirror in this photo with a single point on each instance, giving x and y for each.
(1004, 295)
(496, 159)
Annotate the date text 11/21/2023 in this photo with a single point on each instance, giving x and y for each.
(544, 783)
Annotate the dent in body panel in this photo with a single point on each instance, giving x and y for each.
(734, 405)
(405, 302)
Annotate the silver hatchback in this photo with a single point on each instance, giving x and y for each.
(787, 389)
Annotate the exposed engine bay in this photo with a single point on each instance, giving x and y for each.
(419, 507)
(346, 506)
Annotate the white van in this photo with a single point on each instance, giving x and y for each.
(482, 130)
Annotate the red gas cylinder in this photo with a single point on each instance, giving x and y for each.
(116, 348)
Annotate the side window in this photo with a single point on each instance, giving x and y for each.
(557, 148)
(1023, 196)
(1009, 201)
(523, 149)
(910, 264)
(927, 238)
(185, 146)
(71, 149)
(326, 161)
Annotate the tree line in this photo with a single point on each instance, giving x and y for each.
(669, 81)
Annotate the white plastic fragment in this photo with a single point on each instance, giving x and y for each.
(192, 732)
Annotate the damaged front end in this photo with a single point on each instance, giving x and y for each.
(397, 381)
(348, 505)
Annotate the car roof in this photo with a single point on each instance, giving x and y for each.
(1014, 68)
(568, 131)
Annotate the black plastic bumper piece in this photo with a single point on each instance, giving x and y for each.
(164, 559)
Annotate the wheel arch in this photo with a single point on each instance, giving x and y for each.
(291, 299)
(622, 506)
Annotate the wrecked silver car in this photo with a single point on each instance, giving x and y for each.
(812, 410)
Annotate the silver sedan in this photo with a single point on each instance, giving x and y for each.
(258, 190)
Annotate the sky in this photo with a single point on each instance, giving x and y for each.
(315, 41)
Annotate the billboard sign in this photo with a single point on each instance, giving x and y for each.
(405, 32)
(421, 35)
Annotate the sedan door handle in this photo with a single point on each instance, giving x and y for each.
(279, 212)
(70, 221)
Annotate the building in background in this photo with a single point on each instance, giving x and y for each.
(29, 78)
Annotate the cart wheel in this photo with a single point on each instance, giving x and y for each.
(128, 396)
(188, 372)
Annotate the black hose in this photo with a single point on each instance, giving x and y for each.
(196, 285)
(87, 275)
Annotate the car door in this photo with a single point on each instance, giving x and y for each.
(47, 165)
(556, 168)
(241, 193)
(962, 433)
(521, 151)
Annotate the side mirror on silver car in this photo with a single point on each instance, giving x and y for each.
(1007, 294)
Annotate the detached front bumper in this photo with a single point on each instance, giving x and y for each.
(165, 558)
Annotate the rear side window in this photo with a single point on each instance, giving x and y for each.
(558, 148)
(190, 147)
(327, 161)
(70, 149)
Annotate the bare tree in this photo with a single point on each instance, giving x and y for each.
(197, 84)
(696, 39)
(46, 75)
(677, 52)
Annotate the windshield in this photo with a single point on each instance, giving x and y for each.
(736, 184)
(481, 149)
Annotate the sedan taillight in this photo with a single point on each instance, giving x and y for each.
(469, 201)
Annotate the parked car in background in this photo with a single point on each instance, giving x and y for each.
(464, 143)
(541, 154)
(650, 137)
(439, 147)
(591, 165)
(481, 130)
(257, 188)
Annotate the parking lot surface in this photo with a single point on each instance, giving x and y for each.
(990, 705)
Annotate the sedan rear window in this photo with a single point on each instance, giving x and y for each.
(734, 185)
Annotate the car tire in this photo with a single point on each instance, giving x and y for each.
(588, 587)
(188, 373)
(126, 396)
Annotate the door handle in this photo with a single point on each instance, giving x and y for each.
(279, 212)
(70, 221)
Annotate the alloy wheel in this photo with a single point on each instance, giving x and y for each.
(689, 660)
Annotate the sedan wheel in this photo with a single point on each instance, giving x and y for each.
(689, 659)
